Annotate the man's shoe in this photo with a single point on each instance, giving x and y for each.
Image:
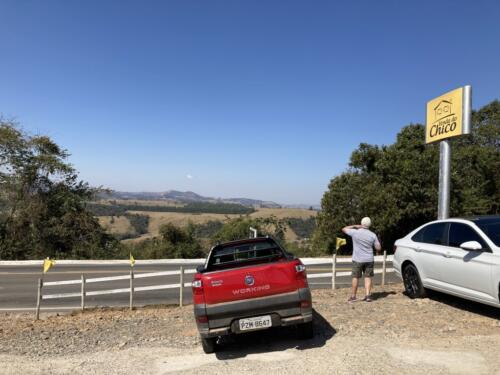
(368, 298)
(352, 299)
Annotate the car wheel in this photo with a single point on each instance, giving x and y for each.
(305, 331)
(412, 282)
(209, 344)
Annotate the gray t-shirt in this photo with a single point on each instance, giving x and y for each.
(363, 241)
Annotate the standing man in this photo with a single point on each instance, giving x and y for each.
(363, 242)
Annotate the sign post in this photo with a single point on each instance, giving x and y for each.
(448, 115)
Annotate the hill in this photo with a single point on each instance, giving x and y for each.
(186, 197)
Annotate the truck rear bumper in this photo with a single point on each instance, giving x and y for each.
(285, 309)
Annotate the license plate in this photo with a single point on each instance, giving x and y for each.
(259, 322)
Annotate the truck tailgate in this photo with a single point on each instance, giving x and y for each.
(249, 282)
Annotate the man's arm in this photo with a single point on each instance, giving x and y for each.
(378, 248)
(349, 227)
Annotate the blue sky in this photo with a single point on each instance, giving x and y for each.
(261, 99)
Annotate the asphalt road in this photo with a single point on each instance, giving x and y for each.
(18, 285)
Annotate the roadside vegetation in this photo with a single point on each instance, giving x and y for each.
(397, 185)
(45, 210)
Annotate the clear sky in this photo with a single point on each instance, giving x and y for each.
(262, 99)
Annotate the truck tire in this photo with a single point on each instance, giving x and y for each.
(209, 344)
(305, 331)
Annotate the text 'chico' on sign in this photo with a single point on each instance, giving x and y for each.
(444, 116)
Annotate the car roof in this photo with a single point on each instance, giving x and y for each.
(484, 219)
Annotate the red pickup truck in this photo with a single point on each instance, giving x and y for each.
(248, 285)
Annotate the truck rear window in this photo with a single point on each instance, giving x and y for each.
(244, 254)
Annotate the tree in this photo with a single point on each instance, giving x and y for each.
(239, 228)
(397, 185)
(42, 202)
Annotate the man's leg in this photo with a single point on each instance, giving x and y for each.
(368, 286)
(356, 274)
(354, 288)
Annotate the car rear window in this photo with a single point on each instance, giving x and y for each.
(240, 255)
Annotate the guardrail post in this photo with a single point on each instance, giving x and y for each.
(83, 292)
(38, 299)
(384, 261)
(181, 286)
(131, 288)
(334, 269)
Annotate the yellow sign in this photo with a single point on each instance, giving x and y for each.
(444, 116)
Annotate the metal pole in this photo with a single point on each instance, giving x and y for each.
(38, 299)
(83, 292)
(444, 179)
(253, 232)
(467, 110)
(131, 288)
(384, 267)
(334, 269)
(181, 286)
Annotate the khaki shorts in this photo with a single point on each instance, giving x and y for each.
(359, 269)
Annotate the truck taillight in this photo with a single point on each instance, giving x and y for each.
(300, 268)
(196, 284)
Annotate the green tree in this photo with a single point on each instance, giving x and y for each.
(397, 185)
(239, 228)
(42, 202)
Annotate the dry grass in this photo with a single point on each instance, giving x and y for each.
(282, 213)
(157, 219)
(121, 224)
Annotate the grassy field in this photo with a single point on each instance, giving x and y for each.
(156, 219)
(116, 224)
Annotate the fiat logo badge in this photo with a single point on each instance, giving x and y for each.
(249, 280)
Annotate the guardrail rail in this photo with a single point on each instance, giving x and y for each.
(83, 281)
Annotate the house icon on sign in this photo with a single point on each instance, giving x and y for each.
(443, 109)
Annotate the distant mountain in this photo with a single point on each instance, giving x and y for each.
(186, 197)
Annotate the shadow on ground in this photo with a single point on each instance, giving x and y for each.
(274, 340)
(464, 304)
(380, 295)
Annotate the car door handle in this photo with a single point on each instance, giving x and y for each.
(418, 249)
(447, 255)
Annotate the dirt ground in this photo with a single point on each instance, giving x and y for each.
(393, 334)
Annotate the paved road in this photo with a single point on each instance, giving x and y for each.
(18, 285)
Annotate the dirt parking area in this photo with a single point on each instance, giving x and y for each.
(393, 334)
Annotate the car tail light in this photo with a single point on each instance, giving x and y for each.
(394, 248)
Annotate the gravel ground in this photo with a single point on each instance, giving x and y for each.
(393, 334)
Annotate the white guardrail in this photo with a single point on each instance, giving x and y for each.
(333, 261)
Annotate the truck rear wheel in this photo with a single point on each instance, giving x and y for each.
(305, 331)
(209, 344)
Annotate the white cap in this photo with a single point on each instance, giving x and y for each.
(366, 222)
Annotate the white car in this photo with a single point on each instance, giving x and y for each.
(454, 256)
